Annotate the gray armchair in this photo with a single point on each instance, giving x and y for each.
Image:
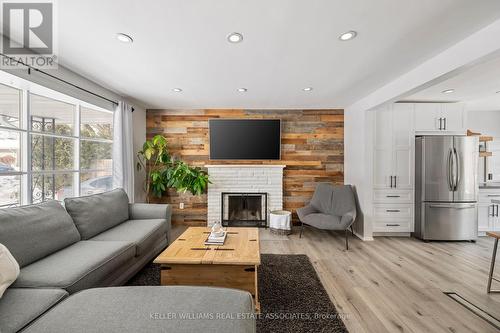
(331, 208)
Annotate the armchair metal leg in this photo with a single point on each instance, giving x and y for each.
(301, 228)
(347, 239)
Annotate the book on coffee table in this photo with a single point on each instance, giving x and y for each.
(216, 240)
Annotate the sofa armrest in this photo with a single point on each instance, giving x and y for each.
(304, 211)
(143, 211)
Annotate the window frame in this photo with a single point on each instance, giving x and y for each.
(25, 131)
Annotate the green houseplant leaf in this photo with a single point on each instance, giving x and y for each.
(164, 172)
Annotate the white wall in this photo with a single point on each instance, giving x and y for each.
(357, 166)
(484, 122)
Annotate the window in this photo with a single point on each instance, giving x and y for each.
(52, 146)
(10, 146)
(96, 150)
(52, 140)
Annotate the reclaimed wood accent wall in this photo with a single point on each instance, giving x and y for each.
(312, 148)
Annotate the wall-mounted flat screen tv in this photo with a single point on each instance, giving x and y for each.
(245, 139)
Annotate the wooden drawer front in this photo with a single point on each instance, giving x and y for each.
(393, 211)
(392, 225)
(393, 196)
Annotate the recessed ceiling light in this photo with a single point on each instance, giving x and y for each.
(242, 89)
(177, 90)
(234, 37)
(124, 38)
(348, 35)
(307, 89)
(448, 91)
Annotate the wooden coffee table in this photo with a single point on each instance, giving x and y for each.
(187, 261)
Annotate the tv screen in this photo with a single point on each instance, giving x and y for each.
(245, 139)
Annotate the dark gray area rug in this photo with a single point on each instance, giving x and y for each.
(292, 298)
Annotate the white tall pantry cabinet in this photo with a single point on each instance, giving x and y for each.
(393, 165)
(394, 129)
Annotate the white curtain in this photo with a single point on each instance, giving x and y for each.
(123, 151)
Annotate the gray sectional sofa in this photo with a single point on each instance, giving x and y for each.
(67, 253)
(97, 241)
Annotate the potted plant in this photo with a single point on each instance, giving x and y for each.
(163, 171)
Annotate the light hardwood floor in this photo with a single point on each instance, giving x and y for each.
(396, 284)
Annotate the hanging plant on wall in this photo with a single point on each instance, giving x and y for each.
(163, 171)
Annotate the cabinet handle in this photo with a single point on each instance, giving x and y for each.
(444, 124)
(440, 124)
(395, 181)
(393, 225)
(497, 211)
(391, 181)
(393, 196)
(494, 195)
(392, 210)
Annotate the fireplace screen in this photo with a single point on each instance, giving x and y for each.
(244, 209)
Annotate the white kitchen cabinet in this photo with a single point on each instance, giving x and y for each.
(485, 217)
(439, 117)
(393, 164)
(488, 212)
(392, 196)
(393, 147)
(453, 115)
(427, 116)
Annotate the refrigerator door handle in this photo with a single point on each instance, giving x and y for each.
(453, 207)
(457, 169)
(449, 168)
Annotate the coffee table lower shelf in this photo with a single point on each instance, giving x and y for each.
(242, 277)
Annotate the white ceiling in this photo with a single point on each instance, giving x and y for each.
(476, 86)
(287, 45)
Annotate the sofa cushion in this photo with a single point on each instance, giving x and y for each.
(33, 232)
(151, 309)
(143, 233)
(96, 213)
(82, 265)
(20, 306)
(9, 269)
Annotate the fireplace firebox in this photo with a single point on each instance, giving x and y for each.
(244, 209)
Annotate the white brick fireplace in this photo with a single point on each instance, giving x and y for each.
(244, 178)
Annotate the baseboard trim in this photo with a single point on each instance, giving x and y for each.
(363, 238)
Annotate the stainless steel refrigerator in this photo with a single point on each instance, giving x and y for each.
(446, 187)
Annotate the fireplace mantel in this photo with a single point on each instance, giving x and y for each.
(247, 178)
